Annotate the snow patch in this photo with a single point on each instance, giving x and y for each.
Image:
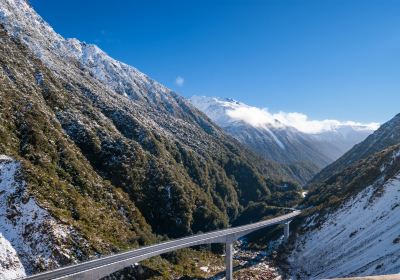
(30, 239)
(356, 240)
(280, 144)
(10, 264)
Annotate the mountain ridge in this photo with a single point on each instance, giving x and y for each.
(275, 138)
(99, 160)
(387, 135)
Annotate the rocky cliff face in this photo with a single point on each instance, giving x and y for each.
(107, 155)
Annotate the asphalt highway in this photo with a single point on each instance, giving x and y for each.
(95, 269)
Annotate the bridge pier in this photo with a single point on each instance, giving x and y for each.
(229, 260)
(286, 231)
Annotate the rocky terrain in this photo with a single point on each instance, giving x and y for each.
(31, 237)
(360, 238)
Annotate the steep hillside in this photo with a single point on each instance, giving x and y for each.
(376, 168)
(46, 181)
(351, 221)
(96, 145)
(387, 135)
(30, 237)
(284, 145)
(360, 238)
(269, 137)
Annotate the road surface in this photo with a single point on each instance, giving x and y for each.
(102, 267)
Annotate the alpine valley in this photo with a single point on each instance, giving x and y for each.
(306, 146)
(97, 158)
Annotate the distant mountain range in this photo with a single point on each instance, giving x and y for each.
(307, 146)
(387, 135)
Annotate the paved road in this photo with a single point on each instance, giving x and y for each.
(102, 267)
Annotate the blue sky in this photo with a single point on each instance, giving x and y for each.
(328, 59)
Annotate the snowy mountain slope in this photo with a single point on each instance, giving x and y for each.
(360, 238)
(10, 265)
(30, 238)
(286, 138)
(282, 146)
(56, 174)
(99, 160)
(22, 22)
(352, 221)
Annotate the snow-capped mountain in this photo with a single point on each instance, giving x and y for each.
(96, 144)
(285, 137)
(22, 22)
(89, 146)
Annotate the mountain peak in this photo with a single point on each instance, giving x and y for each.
(23, 23)
(235, 111)
(232, 100)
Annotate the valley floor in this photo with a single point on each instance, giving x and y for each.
(252, 264)
(248, 264)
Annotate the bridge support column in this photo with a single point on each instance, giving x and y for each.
(229, 260)
(286, 231)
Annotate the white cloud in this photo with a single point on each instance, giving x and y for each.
(179, 81)
(304, 124)
(258, 117)
(254, 116)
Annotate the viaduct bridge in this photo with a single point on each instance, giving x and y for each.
(96, 269)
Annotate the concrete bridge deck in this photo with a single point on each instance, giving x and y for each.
(96, 269)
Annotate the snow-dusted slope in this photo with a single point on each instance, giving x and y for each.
(22, 22)
(284, 137)
(353, 223)
(94, 153)
(10, 264)
(360, 238)
(30, 238)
